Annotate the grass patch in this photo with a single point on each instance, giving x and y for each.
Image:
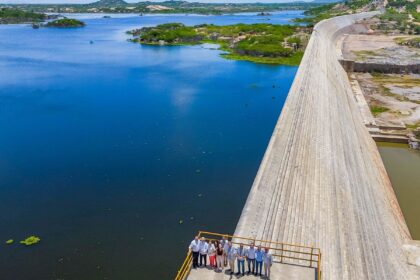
(291, 60)
(413, 42)
(362, 55)
(377, 110)
(402, 81)
(413, 126)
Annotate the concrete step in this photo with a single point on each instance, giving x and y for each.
(390, 138)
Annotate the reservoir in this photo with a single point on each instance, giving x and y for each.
(116, 154)
(402, 165)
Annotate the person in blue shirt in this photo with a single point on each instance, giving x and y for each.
(203, 247)
(259, 261)
(240, 256)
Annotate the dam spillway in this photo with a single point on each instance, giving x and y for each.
(322, 182)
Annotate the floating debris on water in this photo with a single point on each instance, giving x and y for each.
(181, 222)
(197, 171)
(31, 240)
(191, 218)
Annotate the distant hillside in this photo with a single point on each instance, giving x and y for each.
(327, 1)
(109, 3)
(179, 7)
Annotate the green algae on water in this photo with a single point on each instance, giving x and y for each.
(10, 241)
(31, 240)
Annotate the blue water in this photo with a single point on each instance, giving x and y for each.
(105, 147)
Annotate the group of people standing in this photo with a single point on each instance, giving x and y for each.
(222, 254)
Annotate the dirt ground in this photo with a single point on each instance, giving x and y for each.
(379, 49)
(394, 99)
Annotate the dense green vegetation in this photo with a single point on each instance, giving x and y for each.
(264, 43)
(316, 14)
(11, 15)
(170, 33)
(400, 15)
(65, 23)
(119, 6)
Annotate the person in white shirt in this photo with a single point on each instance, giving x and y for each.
(268, 262)
(250, 259)
(195, 249)
(204, 246)
(211, 252)
(225, 251)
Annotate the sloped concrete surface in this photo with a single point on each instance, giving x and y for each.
(322, 182)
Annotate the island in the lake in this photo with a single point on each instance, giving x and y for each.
(262, 43)
(65, 23)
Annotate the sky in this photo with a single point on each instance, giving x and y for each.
(132, 1)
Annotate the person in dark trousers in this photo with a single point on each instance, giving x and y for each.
(195, 249)
(259, 261)
(204, 246)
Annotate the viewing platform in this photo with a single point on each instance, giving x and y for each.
(290, 261)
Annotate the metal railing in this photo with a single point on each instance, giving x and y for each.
(282, 252)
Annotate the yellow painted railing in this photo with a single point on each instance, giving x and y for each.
(287, 253)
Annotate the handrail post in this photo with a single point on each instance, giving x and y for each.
(281, 256)
(312, 252)
(319, 265)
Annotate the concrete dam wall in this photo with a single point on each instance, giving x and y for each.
(322, 182)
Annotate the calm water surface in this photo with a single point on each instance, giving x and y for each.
(105, 147)
(402, 165)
